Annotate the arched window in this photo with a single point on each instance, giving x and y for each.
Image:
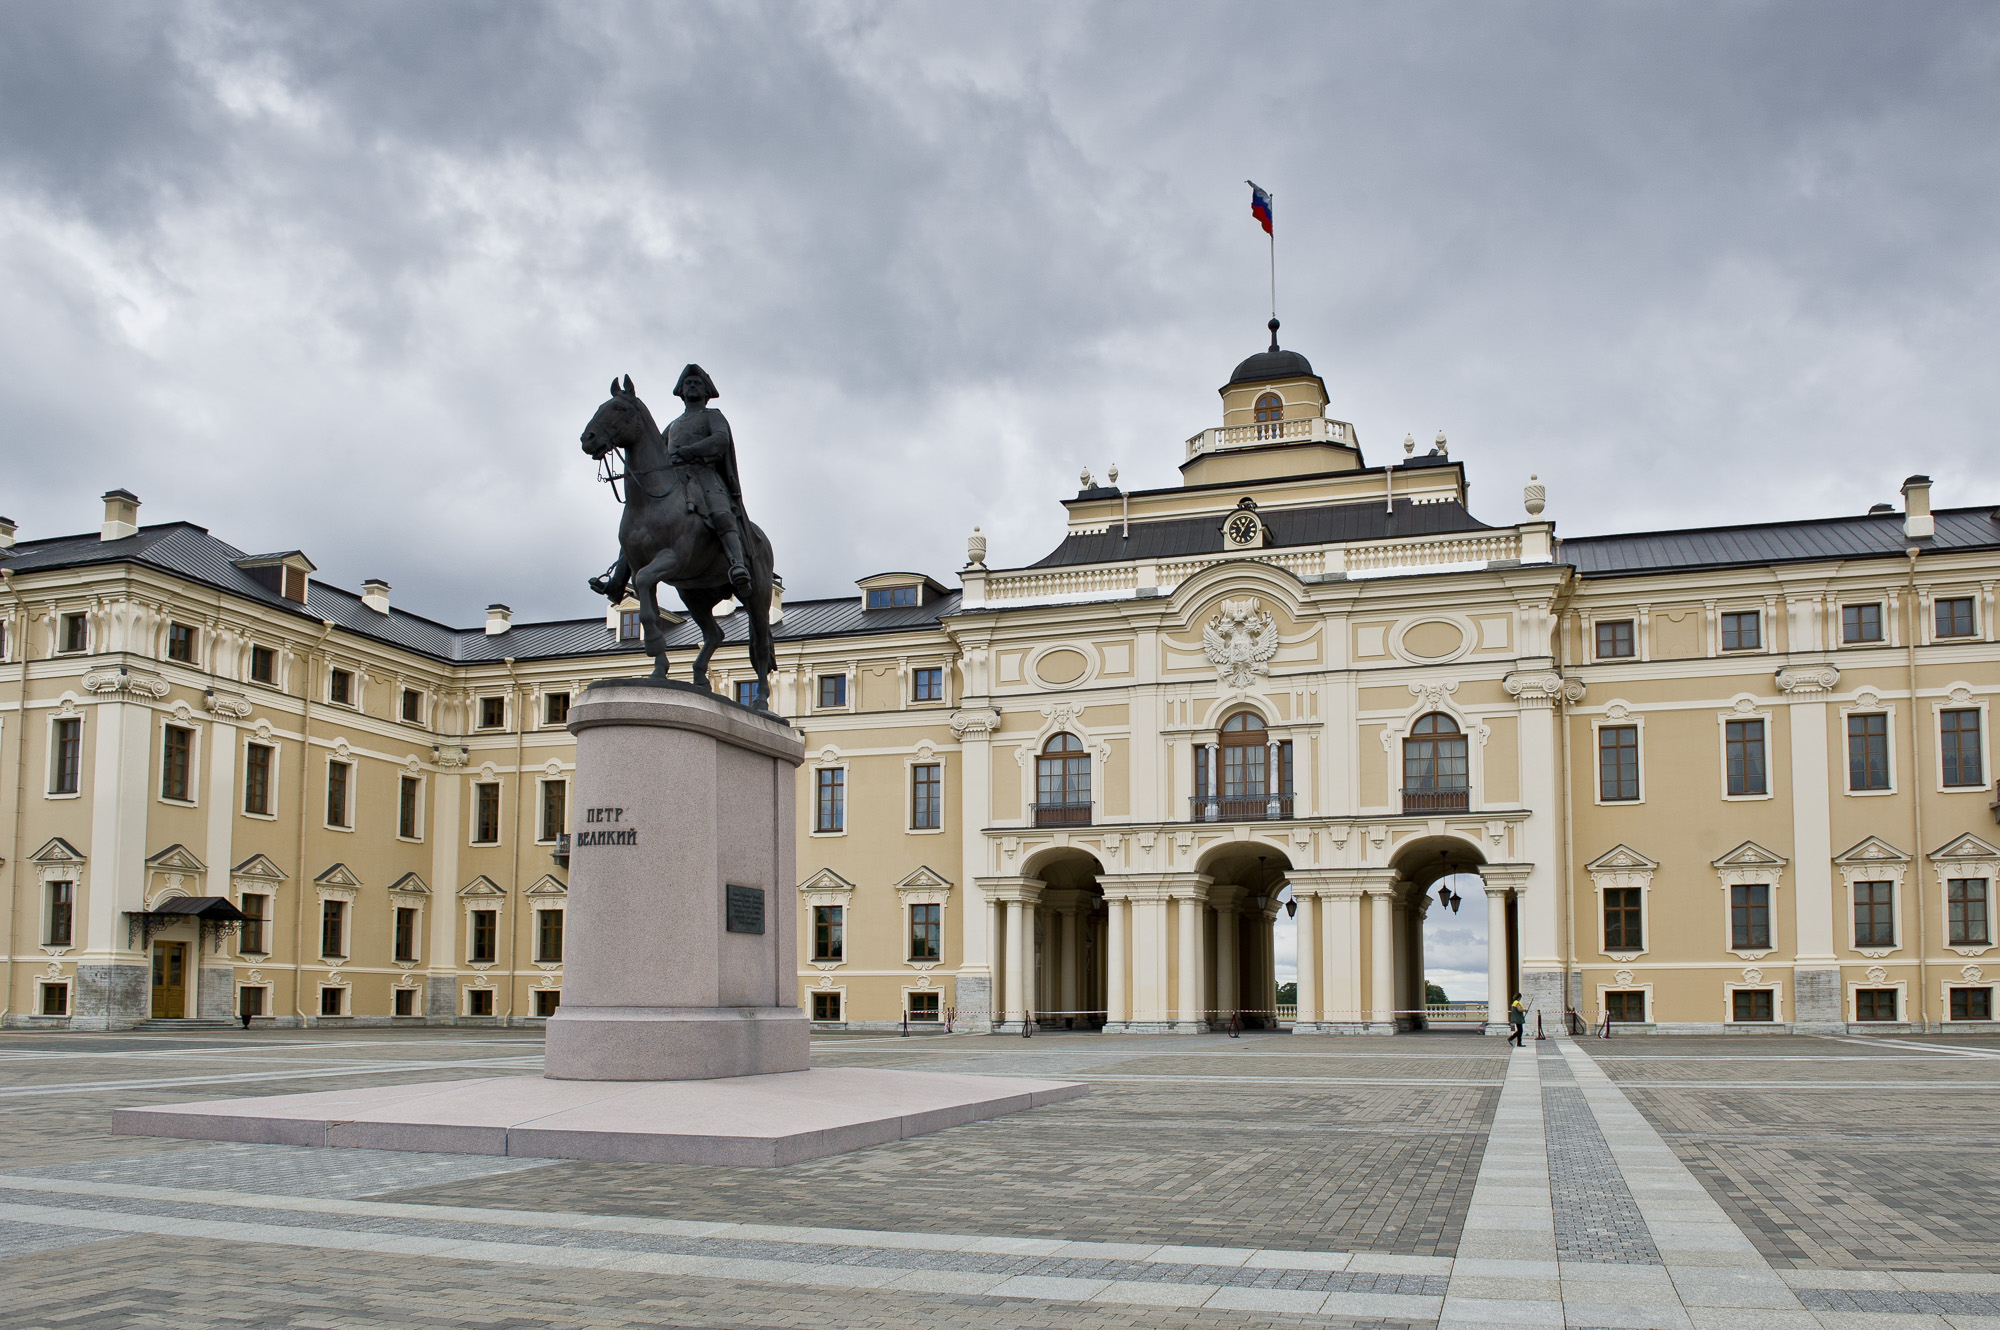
(1062, 783)
(1436, 777)
(1270, 410)
(1251, 781)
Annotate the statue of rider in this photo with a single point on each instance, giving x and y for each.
(699, 439)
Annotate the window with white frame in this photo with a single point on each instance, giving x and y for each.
(554, 810)
(1861, 624)
(829, 799)
(1617, 763)
(555, 709)
(927, 796)
(1968, 912)
(407, 932)
(333, 929)
(1867, 752)
(260, 776)
(177, 764)
(492, 713)
(410, 807)
(59, 913)
(1752, 1005)
(1750, 916)
(65, 755)
(1745, 761)
(54, 998)
(180, 643)
(413, 706)
(1952, 616)
(486, 812)
(1960, 753)
(252, 935)
(484, 936)
(1874, 914)
(549, 935)
(1970, 1003)
(1615, 639)
(340, 794)
(1742, 630)
(263, 669)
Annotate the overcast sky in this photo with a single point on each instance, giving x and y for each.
(351, 277)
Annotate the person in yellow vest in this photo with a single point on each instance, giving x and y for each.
(1517, 1016)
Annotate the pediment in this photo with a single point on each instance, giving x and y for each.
(1967, 846)
(548, 885)
(481, 886)
(410, 885)
(57, 851)
(1872, 850)
(1750, 855)
(826, 880)
(338, 876)
(258, 866)
(176, 859)
(924, 878)
(1620, 856)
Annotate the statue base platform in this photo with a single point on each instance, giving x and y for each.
(749, 1121)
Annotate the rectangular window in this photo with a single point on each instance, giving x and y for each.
(891, 597)
(1740, 632)
(928, 685)
(250, 933)
(547, 1000)
(555, 709)
(55, 1000)
(263, 669)
(406, 1002)
(1621, 919)
(1874, 914)
(333, 928)
(1874, 1004)
(630, 629)
(831, 814)
(548, 936)
(927, 796)
(340, 688)
(1958, 747)
(1861, 623)
(413, 706)
(555, 808)
(1614, 639)
(1965, 910)
(486, 813)
(66, 755)
(336, 793)
(62, 914)
(926, 932)
(1868, 752)
(479, 1002)
(180, 643)
(406, 933)
(492, 713)
(257, 779)
(833, 690)
(923, 1007)
(1744, 740)
(250, 1000)
(1972, 1004)
(75, 632)
(746, 692)
(1618, 762)
(485, 936)
(1750, 917)
(1954, 617)
(176, 751)
(1626, 1007)
(331, 1000)
(829, 928)
(826, 1006)
(1751, 1004)
(409, 800)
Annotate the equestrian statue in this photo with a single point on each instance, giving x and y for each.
(684, 523)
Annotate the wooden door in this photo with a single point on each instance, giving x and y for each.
(170, 979)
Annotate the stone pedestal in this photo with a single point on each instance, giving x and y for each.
(679, 937)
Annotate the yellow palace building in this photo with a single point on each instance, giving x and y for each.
(1735, 778)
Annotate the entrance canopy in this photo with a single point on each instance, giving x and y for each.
(208, 912)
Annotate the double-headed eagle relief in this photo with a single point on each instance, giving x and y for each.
(1240, 640)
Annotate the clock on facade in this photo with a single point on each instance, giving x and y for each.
(1242, 529)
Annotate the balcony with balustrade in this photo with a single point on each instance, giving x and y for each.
(1240, 808)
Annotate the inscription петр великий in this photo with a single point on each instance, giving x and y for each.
(616, 836)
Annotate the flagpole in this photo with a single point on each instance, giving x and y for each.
(1274, 253)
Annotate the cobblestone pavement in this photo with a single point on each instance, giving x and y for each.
(1275, 1180)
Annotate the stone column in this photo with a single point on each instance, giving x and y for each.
(1308, 944)
(1016, 991)
(1228, 985)
(977, 983)
(1381, 929)
(1213, 808)
(1341, 981)
(996, 991)
(446, 833)
(1817, 1005)
(113, 970)
(1117, 969)
(1071, 963)
(1272, 808)
(1189, 1017)
(1496, 960)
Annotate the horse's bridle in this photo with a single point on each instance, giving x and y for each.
(610, 477)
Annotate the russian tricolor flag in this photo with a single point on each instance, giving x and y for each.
(1260, 205)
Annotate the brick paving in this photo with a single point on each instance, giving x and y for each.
(1596, 1218)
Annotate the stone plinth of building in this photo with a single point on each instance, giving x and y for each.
(678, 934)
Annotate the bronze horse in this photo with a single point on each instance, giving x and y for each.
(663, 540)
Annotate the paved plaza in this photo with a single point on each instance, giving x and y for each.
(1766, 1182)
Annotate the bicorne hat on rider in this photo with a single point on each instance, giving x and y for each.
(707, 385)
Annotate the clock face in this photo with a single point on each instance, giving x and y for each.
(1243, 528)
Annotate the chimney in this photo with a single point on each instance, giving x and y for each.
(498, 619)
(375, 595)
(1917, 507)
(121, 515)
(6, 533)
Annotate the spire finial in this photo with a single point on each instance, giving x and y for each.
(1273, 326)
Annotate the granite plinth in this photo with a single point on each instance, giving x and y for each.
(753, 1121)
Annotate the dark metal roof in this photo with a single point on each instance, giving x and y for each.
(1273, 364)
(1864, 536)
(1180, 537)
(189, 551)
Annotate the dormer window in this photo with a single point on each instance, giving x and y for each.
(891, 597)
(898, 591)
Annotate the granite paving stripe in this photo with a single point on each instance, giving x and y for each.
(1596, 1218)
